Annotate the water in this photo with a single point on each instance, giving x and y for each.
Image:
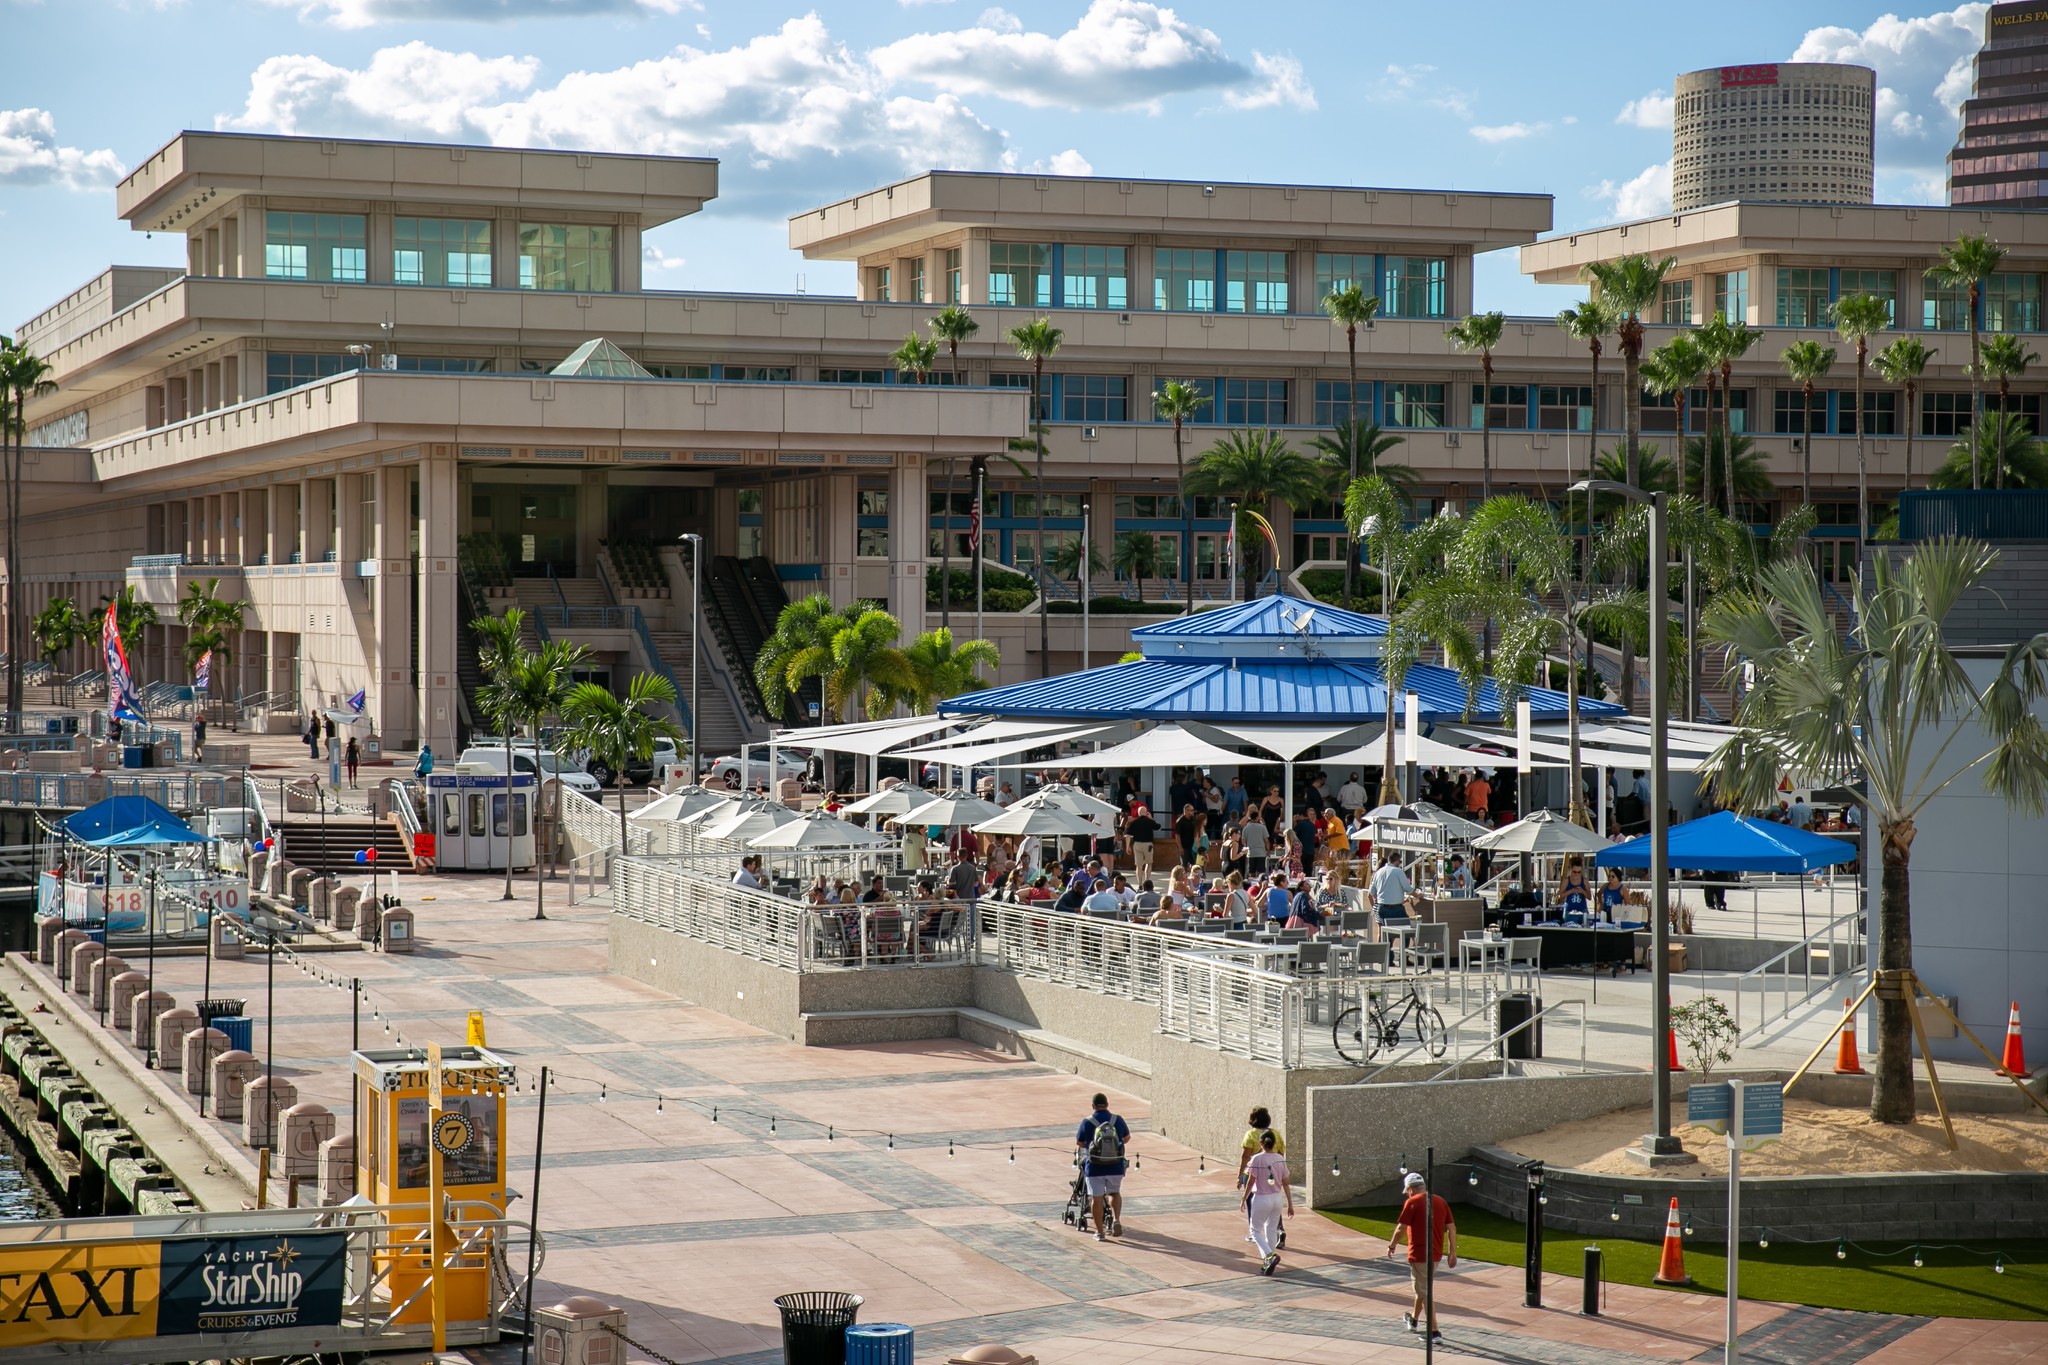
(23, 1192)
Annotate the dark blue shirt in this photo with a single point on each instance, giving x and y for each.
(1086, 1133)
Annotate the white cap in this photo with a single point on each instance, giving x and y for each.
(1414, 1179)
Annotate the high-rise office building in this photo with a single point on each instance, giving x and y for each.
(2001, 157)
(1789, 132)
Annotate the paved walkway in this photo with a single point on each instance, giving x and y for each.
(697, 1167)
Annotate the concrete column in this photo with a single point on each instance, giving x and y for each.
(378, 242)
(1142, 271)
(838, 503)
(974, 268)
(505, 250)
(437, 605)
(231, 380)
(591, 517)
(909, 523)
(394, 701)
(1301, 278)
(348, 492)
(231, 246)
(318, 502)
(626, 258)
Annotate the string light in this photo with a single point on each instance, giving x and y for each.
(602, 1097)
(1998, 1266)
(829, 1137)
(1334, 1172)
(1473, 1178)
(1404, 1165)
(1013, 1154)
(1841, 1248)
(892, 1138)
(714, 1113)
(1614, 1212)
(657, 1104)
(1917, 1261)
(1763, 1238)
(771, 1125)
(949, 1146)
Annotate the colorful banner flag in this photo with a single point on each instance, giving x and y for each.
(202, 675)
(122, 703)
(359, 700)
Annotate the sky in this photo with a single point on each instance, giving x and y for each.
(804, 106)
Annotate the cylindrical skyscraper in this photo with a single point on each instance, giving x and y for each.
(1789, 132)
(2001, 158)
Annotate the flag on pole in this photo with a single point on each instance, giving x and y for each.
(202, 673)
(974, 526)
(121, 699)
(359, 700)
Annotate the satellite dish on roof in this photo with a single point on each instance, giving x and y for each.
(1298, 621)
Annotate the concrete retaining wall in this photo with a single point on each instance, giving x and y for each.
(751, 991)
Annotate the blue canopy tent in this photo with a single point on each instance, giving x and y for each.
(1727, 842)
(129, 822)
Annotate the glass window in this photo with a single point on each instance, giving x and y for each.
(449, 251)
(1883, 284)
(831, 375)
(1020, 273)
(1738, 409)
(1945, 310)
(755, 374)
(1341, 270)
(445, 364)
(913, 280)
(566, 256)
(1947, 414)
(1507, 406)
(1255, 402)
(1564, 407)
(878, 284)
(953, 275)
(289, 369)
(872, 502)
(871, 542)
(664, 370)
(1731, 295)
(1880, 408)
(1787, 419)
(1332, 402)
(2012, 303)
(1023, 381)
(1095, 398)
(314, 246)
(1255, 281)
(1802, 297)
(1056, 505)
(1183, 280)
(1674, 303)
(1415, 405)
(1418, 287)
(1096, 277)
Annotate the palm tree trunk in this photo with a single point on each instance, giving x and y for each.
(10, 448)
(1351, 445)
(945, 549)
(620, 778)
(1038, 443)
(1706, 441)
(508, 796)
(1976, 394)
(1891, 1091)
(1998, 463)
(1632, 410)
(1390, 791)
(1912, 429)
(1187, 528)
(1486, 428)
(1806, 450)
(1862, 481)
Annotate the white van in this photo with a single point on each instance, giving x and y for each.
(545, 763)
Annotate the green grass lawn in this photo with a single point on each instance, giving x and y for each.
(1878, 1278)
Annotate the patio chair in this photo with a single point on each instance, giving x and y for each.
(828, 936)
(886, 941)
(1241, 935)
(1371, 956)
(1525, 958)
(947, 928)
(1432, 946)
(1351, 922)
(1312, 959)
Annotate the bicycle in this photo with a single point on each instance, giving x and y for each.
(1361, 1036)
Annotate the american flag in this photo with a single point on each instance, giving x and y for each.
(974, 528)
(121, 698)
(202, 672)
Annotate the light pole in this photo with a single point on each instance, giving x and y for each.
(1659, 1147)
(1087, 585)
(696, 636)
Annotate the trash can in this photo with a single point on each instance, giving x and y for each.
(1519, 1008)
(240, 1032)
(211, 1010)
(881, 1343)
(135, 755)
(814, 1326)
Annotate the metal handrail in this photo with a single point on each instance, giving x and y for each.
(1837, 940)
(658, 665)
(1503, 1036)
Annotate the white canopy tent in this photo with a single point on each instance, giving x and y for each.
(1288, 741)
(1373, 751)
(968, 756)
(1165, 746)
(1001, 729)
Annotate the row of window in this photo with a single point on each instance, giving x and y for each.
(2008, 302)
(1190, 279)
(452, 252)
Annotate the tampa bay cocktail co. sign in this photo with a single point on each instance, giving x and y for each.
(128, 1290)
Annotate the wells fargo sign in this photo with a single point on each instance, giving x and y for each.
(1732, 76)
(127, 1290)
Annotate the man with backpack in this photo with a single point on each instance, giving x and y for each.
(1102, 1140)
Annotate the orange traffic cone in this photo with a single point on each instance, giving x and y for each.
(1671, 1269)
(1671, 1035)
(1846, 1061)
(2015, 1062)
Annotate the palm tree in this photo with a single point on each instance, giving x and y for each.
(1739, 464)
(1481, 332)
(1627, 287)
(915, 358)
(1066, 562)
(500, 647)
(23, 375)
(1652, 466)
(2006, 444)
(1590, 322)
(537, 686)
(1730, 344)
(620, 730)
(867, 667)
(939, 669)
(1255, 469)
(1965, 266)
(59, 626)
(1858, 318)
(2005, 359)
(1902, 363)
(1354, 453)
(799, 650)
(1674, 368)
(1375, 512)
(1178, 402)
(1893, 702)
(1805, 363)
(1136, 556)
(951, 325)
(1351, 308)
(209, 616)
(1039, 341)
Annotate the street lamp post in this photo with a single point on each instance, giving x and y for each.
(1659, 1146)
(1087, 585)
(696, 637)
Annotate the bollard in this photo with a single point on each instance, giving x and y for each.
(337, 1182)
(67, 944)
(47, 931)
(200, 1047)
(121, 1003)
(574, 1332)
(232, 1072)
(171, 1028)
(305, 1127)
(369, 921)
(82, 958)
(263, 1104)
(104, 972)
(142, 1015)
(1589, 1300)
(259, 863)
(225, 939)
(399, 930)
(345, 898)
(299, 886)
(320, 899)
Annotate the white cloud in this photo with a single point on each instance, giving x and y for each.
(366, 13)
(654, 258)
(1644, 195)
(1282, 82)
(1069, 162)
(1418, 83)
(1651, 111)
(412, 89)
(1507, 132)
(1118, 54)
(1923, 70)
(31, 155)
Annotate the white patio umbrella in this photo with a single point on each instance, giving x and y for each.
(952, 807)
(679, 804)
(1033, 817)
(818, 830)
(1068, 797)
(752, 818)
(1544, 832)
(890, 801)
(1457, 826)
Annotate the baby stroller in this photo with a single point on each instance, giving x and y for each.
(1077, 1197)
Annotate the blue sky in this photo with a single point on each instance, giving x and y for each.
(806, 105)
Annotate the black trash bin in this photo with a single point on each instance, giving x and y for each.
(814, 1326)
(1519, 1008)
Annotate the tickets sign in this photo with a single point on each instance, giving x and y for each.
(129, 1290)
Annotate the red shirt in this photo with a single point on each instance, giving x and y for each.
(1411, 1219)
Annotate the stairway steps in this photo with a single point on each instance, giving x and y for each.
(333, 847)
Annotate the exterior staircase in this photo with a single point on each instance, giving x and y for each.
(331, 845)
(719, 729)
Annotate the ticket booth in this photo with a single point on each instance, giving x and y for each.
(413, 1116)
(479, 818)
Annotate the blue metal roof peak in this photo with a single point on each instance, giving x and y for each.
(1282, 616)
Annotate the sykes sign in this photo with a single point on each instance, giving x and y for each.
(1733, 76)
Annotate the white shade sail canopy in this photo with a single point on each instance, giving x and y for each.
(750, 819)
(1165, 746)
(1071, 798)
(968, 756)
(1372, 751)
(891, 800)
(906, 728)
(1288, 741)
(1001, 729)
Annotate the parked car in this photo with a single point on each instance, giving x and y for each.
(545, 763)
(788, 763)
(639, 771)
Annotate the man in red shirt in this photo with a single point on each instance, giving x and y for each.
(1417, 1204)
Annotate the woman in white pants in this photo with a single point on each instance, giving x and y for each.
(1268, 1192)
